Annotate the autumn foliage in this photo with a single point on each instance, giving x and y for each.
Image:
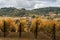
(43, 25)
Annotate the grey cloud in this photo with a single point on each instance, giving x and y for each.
(28, 4)
(41, 0)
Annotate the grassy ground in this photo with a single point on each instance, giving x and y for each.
(28, 36)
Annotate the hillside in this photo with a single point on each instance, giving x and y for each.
(11, 11)
(47, 10)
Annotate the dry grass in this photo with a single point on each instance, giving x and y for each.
(29, 36)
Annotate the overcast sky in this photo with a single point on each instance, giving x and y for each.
(29, 4)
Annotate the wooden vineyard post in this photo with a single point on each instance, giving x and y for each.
(5, 29)
(35, 32)
(53, 33)
(20, 30)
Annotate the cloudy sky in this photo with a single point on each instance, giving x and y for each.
(29, 4)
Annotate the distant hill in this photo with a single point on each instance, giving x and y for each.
(8, 11)
(11, 11)
(47, 10)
